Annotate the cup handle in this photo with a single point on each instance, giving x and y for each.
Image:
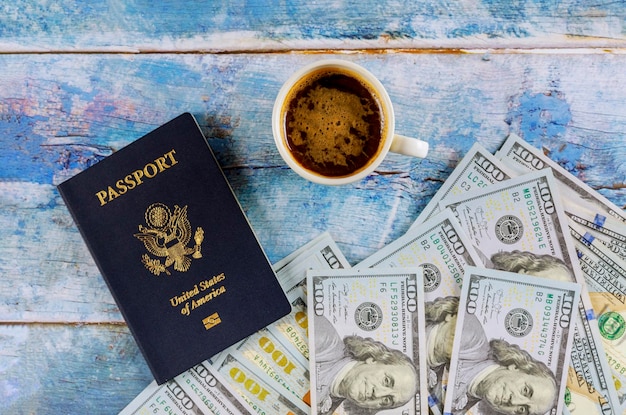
(409, 146)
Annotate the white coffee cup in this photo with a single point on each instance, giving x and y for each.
(327, 157)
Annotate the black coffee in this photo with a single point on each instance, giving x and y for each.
(333, 123)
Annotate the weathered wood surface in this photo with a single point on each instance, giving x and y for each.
(70, 352)
(69, 369)
(64, 348)
(240, 25)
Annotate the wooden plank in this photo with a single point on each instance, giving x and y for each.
(59, 369)
(262, 25)
(60, 114)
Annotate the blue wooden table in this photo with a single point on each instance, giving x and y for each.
(79, 80)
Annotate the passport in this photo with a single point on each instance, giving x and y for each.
(174, 247)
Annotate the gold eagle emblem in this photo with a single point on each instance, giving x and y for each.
(167, 236)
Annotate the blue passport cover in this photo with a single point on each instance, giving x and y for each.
(175, 248)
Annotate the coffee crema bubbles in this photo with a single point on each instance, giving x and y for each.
(334, 122)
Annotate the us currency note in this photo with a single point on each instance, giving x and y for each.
(605, 275)
(440, 247)
(536, 241)
(610, 235)
(589, 387)
(321, 252)
(512, 344)
(611, 323)
(582, 204)
(367, 329)
(322, 240)
(169, 398)
(282, 367)
(520, 219)
(211, 392)
(286, 365)
(198, 391)
(253, 387)
(477, 170)
(579, 199)
(293, 328)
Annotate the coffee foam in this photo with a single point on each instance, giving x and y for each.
(333, 123)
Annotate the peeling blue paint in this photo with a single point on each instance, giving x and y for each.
(569, 157)
(514, 10)
(520, 10)
(462, 142)
(17, 157)
(18, 149)
(540, 115)
(137, 23)
(168, 73)
(20, 230)
(491, 29)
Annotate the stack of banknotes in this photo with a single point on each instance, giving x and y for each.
(506, 296)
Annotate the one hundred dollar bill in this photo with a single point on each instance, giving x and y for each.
(367, 329)
(613, 236)
(322, 240)
(286, 366)
(478, 169)
(519, 224)
(281, 366)
(536, 241)
(579, 198)
(169, 398)
(512, 344)
(320, 253)
(611, 323)
(589, 386)
(211, 392)
(605, 275)
(582, 204)
(293, 328)
(253, 387)
(440, 247)
(279, 353)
